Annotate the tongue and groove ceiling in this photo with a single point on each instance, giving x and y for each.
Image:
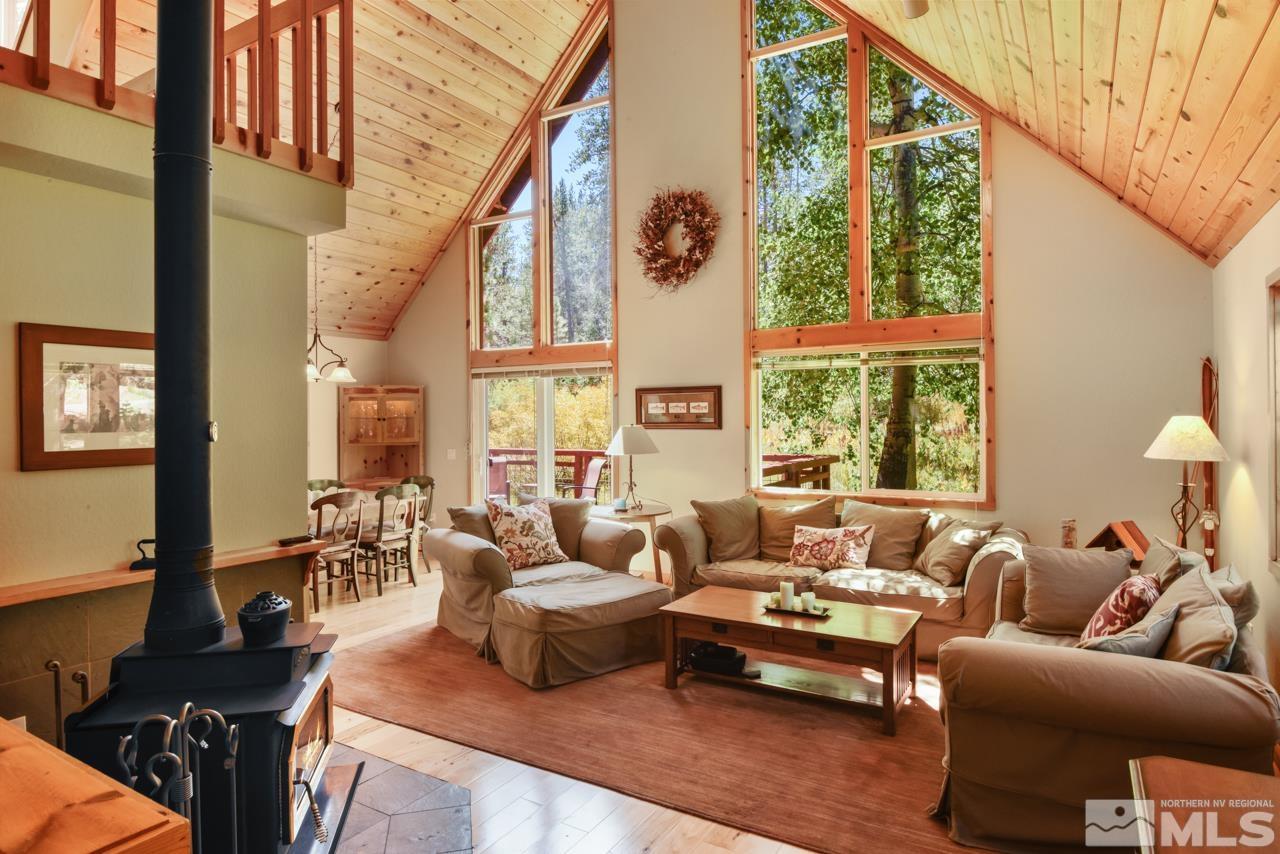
(1170, 105)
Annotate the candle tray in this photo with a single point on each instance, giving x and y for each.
(822, 613)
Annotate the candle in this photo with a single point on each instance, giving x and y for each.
(809, 600)
(786, 590)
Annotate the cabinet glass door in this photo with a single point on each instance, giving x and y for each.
(400, 418)
(363, 424)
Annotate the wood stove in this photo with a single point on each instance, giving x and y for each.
(238, 735)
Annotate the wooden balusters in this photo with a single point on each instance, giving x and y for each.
(266, 79)
(302, 97)
(347, 92)
(252, 84)
(40, 76)
(322, 84)
(107, 55)
(219, 97)
(233, 92)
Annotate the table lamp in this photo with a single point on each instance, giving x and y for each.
(1188, 439)
(628, 441)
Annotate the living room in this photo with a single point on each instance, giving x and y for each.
(731, 425)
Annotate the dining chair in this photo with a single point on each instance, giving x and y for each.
(342, 535)
(427, 484)
(389, 545)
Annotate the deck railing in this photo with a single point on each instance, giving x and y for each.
(316, 30)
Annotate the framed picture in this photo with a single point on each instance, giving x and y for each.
(687, 407)
(86, 397)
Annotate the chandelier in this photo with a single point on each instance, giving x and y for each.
(317, 349)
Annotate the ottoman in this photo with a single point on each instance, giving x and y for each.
(551, 634)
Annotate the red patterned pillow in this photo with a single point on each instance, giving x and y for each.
(1126, 605)
(832, 548)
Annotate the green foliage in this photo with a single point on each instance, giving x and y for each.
(581, 228)
(783, 20)
(506, 270)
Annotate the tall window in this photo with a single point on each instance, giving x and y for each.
(871, 346)
(543, 290)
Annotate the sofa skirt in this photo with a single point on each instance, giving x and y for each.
(542, 659)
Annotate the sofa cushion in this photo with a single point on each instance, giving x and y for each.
(569, 516)
(946, 557)
(778, 525)
(525, 534)
(1066, 586)
(1144, 638)
(1239, 594)
(1006, 630)
(831, 548)
(893, 589)
(1205, 629)
(897, 532)
(1125, 607)
(732, 526)
(609, 599)
(753, 574)
(473, 520)
(1167, 562)
(551, 573)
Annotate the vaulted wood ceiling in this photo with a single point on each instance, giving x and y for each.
(440, 86)
(1171, 105)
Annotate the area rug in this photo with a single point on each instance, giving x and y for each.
(805, 772)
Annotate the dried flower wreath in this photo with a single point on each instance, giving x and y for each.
(699, 221)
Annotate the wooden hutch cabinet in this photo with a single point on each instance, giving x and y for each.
(380, 433)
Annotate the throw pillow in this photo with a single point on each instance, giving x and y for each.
(778, 525)
(526, 535)
(1167, 562)
(1239, 594)
(732, 526)
(569, 516)
(934, 524)
(1144, 638)
(1205, 630)
(1126, 605)
(897, 532)
(1066, 586)
(832, 548)
(473, 520)
(946, 558)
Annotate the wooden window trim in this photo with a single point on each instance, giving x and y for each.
(861, 329)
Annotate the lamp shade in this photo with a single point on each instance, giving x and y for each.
(631, 440)
(313, 373)
(341, 374)
(1189, 439)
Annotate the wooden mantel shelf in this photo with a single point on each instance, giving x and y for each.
(34, 591)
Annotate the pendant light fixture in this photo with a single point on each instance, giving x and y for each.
(315, 350)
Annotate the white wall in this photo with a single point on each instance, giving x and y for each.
(1100, 326)
(429, 348)
(1241, 322)
(367, 360)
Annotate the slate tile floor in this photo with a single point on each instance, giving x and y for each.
(397, 810)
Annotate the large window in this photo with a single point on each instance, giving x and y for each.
(542, 290)
(871, 345)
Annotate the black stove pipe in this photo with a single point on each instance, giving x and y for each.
(185, 613)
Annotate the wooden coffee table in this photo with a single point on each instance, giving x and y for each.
(882, 639)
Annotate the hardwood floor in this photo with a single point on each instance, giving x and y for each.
(514, 807)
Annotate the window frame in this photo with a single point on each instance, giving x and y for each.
(862, 331)
(532, 140)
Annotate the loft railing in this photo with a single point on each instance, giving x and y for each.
(317, 32)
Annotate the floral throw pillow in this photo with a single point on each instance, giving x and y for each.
(832, 548)
(1126, 605)
(525, 534)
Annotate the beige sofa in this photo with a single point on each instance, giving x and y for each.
(1035, 727)
(964, 609)
(555, 623)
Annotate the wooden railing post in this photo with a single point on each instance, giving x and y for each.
(347, 94)
(219, 66)
(266, 98)
(322, 84)
(302, 85)
(107, 55)
(40, 76)
(252, 83)
(233, 93)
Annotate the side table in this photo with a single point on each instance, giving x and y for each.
(649, 514)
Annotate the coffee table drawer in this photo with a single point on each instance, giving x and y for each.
(721, 632)
(818, 645)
